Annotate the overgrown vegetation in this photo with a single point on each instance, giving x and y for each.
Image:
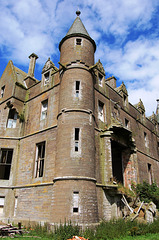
(148, 193)
(115, 229)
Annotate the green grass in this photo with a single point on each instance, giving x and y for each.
(112, 230)
(142, 237)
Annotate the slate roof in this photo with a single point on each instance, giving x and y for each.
(77, 27)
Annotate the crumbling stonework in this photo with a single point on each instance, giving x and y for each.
(67, 140)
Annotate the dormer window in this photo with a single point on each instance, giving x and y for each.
(78, 41)
(46, 78)
(100, 77)
(2, 91)
(126, 123)
(124, 96)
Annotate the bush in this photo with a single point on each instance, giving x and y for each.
(148, 193)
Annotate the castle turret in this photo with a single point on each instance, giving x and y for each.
(75, 183)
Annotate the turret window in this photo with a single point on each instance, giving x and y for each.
(77, 130)
(77, 87)
(78, 41)
(75, 202)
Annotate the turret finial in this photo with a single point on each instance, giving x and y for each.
(78, 12)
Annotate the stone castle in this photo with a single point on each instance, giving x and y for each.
(67, 140)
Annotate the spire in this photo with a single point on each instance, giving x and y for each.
(77, 27)
(77, 30)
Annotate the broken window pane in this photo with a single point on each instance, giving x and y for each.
(46, 78)
(101, 111)
(5, 163)
(39, 161)
(44, 109)
(12, 118)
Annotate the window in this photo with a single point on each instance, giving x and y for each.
(124, 96)
(39, 161)
(145, 138)
(1, 205)
(5, 163)
(44, 109)
(101, 111)
(12, 118)
(126, 123)
(77, 88)
(149, 173)
(75, 202)
(46, 78)
(2, 91)
(100, 77)
(78, 41)
(77, 139)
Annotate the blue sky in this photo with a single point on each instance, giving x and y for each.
(126, 33)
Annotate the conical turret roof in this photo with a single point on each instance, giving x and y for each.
(77, 27)
(77, 30)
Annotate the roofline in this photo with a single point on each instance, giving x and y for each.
(77, 35)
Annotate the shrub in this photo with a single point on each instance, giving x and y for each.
(148, 193)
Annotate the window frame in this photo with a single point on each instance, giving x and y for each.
(12, 118)
(100, 79)
(101, 111)
(46, 78)
(5, 163)
(146, 139)
(40, 159)
(75, 208)
(44, 109)
(77, 88)
(76, 138)
(78, 41)
(2, 91)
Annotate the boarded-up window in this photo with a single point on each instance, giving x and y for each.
(5, 163)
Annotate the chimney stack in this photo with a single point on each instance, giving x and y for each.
(33, 58)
